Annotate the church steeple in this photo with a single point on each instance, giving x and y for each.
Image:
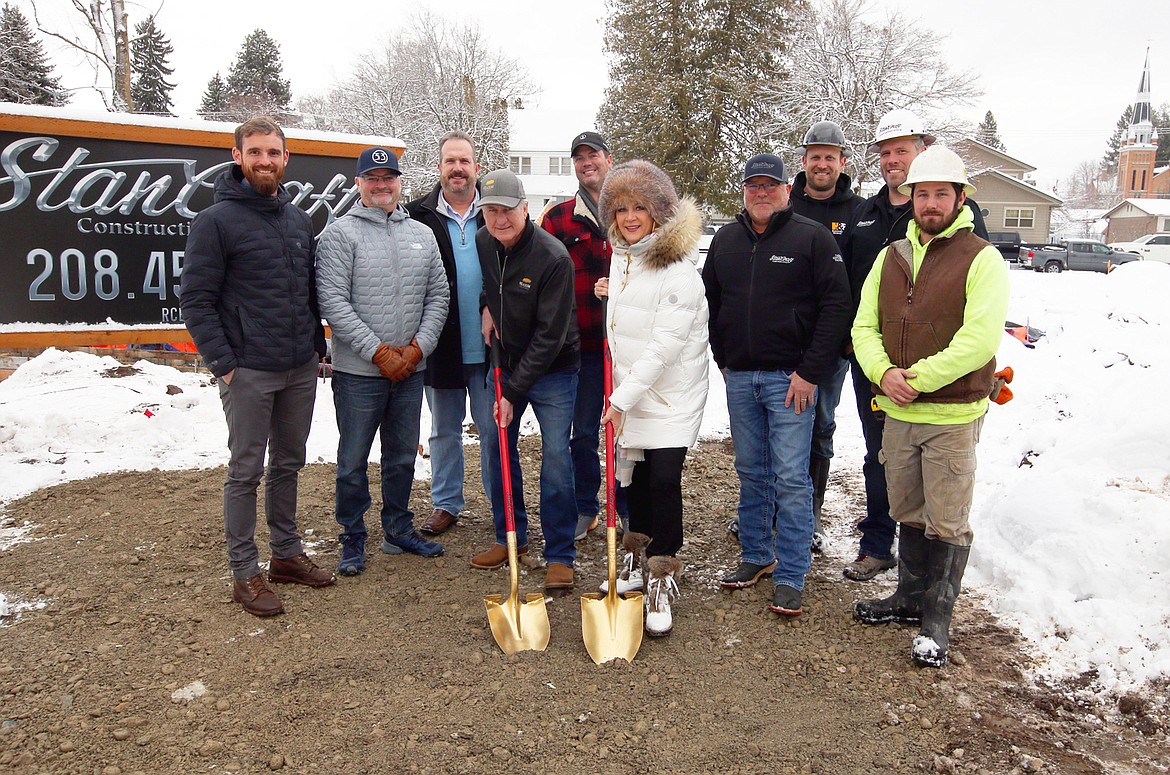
(1141, 125)
(1135, 161)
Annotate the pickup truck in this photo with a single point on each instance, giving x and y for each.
(1087, 255)
(1152, 247)
(1007, 243)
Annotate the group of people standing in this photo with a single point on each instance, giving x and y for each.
(418, 294)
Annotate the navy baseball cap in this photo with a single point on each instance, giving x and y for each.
(377, 159)
(767, 164)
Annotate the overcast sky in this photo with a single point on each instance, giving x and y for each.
(1056, 78)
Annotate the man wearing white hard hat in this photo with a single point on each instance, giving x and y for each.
(928, 326)
(878, 221)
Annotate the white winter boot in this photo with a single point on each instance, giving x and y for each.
(660, 594)
(630, 575)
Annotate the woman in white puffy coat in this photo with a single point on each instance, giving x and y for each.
(656, 322)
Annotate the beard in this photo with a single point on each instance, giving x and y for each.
(935, 222)
(264, 183)
(457, 183)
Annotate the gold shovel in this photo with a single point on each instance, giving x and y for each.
(516, 626)
(611, 625)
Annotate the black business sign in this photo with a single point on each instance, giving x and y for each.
(92, 230)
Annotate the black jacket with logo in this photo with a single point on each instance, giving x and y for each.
(833, 213)
(529, 292)
(778, 300)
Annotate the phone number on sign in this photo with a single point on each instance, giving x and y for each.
(75, 275)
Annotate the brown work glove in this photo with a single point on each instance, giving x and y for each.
(388, 359)
(411, 355)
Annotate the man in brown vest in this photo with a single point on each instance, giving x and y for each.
(930, 321)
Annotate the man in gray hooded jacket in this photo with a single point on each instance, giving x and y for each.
(382, 288)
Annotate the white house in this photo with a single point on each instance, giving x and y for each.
(540, 153)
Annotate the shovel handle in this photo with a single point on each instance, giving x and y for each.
(505, 453)
(610, 478)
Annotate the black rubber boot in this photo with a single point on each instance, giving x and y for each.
(945, 568)
(905, 605)
(818, 469)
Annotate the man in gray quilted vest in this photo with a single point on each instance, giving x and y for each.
(382, 288)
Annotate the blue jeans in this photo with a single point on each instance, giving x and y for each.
(365, 406)
(877, 528)
(772, 445)
(448, 410)
(586, 437)
(828, 396)
(552, 399)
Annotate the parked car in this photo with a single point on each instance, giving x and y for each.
(1007, 243)
(1152, 247)
(1085, 255)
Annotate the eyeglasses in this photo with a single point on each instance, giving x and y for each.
(375, 179)
(768, 188)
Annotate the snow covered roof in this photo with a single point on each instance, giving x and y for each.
(1148, 206)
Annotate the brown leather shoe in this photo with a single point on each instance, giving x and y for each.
(440, 521)
(299, 570)
(255, 596)
(558, 576)
(495, 557)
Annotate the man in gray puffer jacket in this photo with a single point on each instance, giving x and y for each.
(382, 288)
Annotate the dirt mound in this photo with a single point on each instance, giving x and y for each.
(140, 662)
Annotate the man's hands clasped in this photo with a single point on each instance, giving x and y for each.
(397, 363)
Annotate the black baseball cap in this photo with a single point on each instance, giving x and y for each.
(378, 159)
(767, 164)
(592, 139)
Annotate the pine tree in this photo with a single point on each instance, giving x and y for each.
(26, 76)
(150, 91)
(988, 133)
(215, 98)
(254, 82)
(683, 88)
(1162, 123)
(1109, 160)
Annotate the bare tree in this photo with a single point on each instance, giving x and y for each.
(849, 65)
(106, 46)
(1087, 187)
(433, 77)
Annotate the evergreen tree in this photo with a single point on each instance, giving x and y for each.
(1109, 160)
(26, 76)
(683, 88)
(150, 91)
(214, 103)
(254, 82)
(988, 133)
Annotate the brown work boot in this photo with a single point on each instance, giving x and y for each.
(558, 576)
(440, 521)
(495, 557)
(255, 596)
(299, 570)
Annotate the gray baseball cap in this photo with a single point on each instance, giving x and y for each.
(501, 187)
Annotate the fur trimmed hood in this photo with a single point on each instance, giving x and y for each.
(673, 241)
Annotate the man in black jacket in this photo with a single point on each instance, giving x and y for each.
(779, 303)
(529, 315)
(878, 221)
(821, 191)
(456, 373)
(249, 300)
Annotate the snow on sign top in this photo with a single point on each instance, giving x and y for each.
(185, 124)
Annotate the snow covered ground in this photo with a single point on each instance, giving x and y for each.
(1072, 511)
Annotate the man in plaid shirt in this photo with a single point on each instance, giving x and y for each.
(575, 223)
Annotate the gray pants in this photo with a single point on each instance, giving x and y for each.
(273, 410)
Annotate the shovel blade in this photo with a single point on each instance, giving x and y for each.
(611, 626)
(518, 627)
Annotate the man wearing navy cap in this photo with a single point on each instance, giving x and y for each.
(382, 288)
(779, 300)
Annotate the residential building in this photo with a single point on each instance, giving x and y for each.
(1133, 218)
(1009, 200)
(540, 155)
